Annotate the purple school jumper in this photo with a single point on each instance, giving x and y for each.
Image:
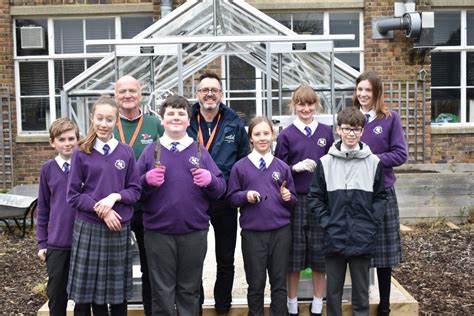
(95, 176)
(271, 213)
(178, 206)
(386, 139)
(293, 147)
(55, 221)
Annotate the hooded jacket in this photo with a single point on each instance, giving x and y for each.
(230, 143)
(348, 198)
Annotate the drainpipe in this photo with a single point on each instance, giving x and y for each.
(166, 6)
(405, 19)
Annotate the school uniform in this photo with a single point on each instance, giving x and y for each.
(294, 145)
(386, 140)
(176, 223)
(54, 228)
(348, 198)
(101, 263)
(266, 232)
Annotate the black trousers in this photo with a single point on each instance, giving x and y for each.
(224, 221)
(100, 310)
(57, 266)
(137, 228)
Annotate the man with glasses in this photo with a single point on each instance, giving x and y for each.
(137, 130)
(218, 128)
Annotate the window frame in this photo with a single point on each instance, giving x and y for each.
(50, 58)
(463, 49)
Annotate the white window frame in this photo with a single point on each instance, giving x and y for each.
(50, 59)
(463, 49)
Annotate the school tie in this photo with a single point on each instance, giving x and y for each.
(262, 166)
(66, 167)
(106, 149)
(307, 130)
(173, 147)
(367, 118)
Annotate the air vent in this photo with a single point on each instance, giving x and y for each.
(32, 37)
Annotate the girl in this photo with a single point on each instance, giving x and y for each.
(102, 186)
(179, 178)
(384, 134)
(262, 186)
(301, 145)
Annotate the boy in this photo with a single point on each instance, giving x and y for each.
(348, 198)
(55, 217)
(178, 178)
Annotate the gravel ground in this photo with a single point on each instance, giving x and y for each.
(437, 271)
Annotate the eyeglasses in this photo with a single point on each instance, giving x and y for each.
(348, 130)
(207, 90)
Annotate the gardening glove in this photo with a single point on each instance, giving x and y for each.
(305, 165)
(201, 177)
(42, 254)
(156, 176)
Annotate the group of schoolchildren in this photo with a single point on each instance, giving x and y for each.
(314, 203)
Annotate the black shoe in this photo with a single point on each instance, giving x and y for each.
(311, 313)
(383, 312)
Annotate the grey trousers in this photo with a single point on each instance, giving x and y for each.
(266, 251)
(336, 272)
(175, 265)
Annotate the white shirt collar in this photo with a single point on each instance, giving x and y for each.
(372, 114)
(183, 143)
(60, 161)
(300, 125)
(98, 145)
(133, 119)
(255, 156)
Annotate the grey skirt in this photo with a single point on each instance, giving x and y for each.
(101, 264)
(388, 251)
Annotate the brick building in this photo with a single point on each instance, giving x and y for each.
(438, 110)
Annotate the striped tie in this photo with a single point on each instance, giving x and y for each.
(66, 167)
(262, 166)
(106, 149)
(308, 131)
(367, 118)
(173, 147)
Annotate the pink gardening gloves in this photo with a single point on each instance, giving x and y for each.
(156, 176)
(201, 177)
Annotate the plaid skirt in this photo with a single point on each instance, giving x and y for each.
(306, 239)
(101, 264)
(388, 251)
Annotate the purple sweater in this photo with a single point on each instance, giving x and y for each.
(94, 176)
(386, 139)
(55, 216)
(271, 213)
(293, 147)
(178, 206)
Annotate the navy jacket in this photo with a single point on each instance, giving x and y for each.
(230, 143)
(349, 200)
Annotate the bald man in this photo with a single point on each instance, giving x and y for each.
(138, 130)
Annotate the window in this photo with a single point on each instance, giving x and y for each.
(42, 78)
(350, 52)
(452, 67)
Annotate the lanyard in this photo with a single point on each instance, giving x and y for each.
(211, 136)
(135, 133)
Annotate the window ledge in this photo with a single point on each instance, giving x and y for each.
(452, 128)
(32, 138)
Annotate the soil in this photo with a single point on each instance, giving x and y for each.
(437, 271)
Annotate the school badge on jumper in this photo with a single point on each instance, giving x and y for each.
(194, 161)
(378, 130)
(322, 142)
(119, 164)
(276, 175)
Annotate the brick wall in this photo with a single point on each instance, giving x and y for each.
(69, 2)
(390, 58)
(451, 147)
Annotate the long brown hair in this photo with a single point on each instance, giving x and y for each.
(87, 143)
(254, 122)
(378, 105)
